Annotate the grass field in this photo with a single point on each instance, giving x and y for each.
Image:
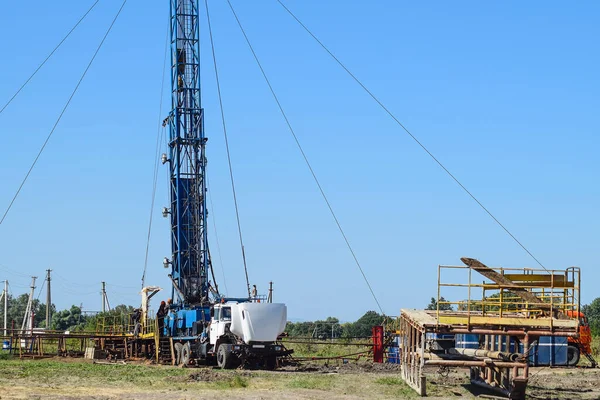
(71, 378)
(80, 379)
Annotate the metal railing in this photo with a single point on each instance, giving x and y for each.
(124, 324)
(558, 292)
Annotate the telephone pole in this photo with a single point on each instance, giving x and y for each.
(5, 308)
(28, 310)
(48, 299)
(105, 302)
(103, 296)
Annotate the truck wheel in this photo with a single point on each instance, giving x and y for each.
(224, 356)
(177, 347)
(186, 354)
(271, 362)
(572, 356)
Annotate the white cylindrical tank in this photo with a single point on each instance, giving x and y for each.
(258, 322)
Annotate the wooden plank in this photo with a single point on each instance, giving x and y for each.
(508, 321)
(535, 278)
(420, 317)
(564, 285)
(500, 279)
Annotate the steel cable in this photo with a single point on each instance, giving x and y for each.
(214, 220)
(62, 113)
(159, 134)
(48, 57)
(408, 132)
(237, 213)
(289, 125)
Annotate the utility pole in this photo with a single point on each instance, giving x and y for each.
(105, 302)
(5, 308)
(28, 310)
(48, 299)
(270, 298)
(103, 296)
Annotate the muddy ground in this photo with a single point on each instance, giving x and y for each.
(78, 379)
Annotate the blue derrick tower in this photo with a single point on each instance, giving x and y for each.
(190, 262)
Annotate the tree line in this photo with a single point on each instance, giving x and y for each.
(70, 319)
(73, 319)
(332, 328)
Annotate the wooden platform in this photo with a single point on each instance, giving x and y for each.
(456, 319)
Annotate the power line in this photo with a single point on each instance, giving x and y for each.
(12, 271)
(408, 132)
(48, 57)
(237, 213)
(62, 112)
(287, 121)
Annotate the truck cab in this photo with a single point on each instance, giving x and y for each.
(220, 322)
(583, 343)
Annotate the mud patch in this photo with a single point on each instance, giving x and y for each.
(211, 375)
(350, 368)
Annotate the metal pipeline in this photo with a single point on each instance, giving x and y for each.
(479, 353)
(515, 332)
(485, 363)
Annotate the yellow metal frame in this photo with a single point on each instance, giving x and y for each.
(487, 302)
(122, 325)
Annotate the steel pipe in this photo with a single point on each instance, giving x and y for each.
(485, 363)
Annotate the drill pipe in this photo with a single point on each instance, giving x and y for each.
(479, 353)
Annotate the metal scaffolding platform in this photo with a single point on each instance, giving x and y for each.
(517, 306)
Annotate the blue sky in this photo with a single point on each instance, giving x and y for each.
(505, 94)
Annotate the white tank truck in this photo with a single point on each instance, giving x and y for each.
(236, 332)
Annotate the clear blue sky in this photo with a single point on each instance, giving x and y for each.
(505, 94)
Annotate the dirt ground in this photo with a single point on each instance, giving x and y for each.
(78, 379)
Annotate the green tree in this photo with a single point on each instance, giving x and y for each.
(71, 319)
(433, 305)
(363, 327)
(325, 329)
(592, 312)
(17, 307)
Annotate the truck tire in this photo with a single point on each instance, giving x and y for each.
(271, 362)
(224, 356)
(186, 354)
(573, 355)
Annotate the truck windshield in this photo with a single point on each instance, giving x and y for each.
(226, 313)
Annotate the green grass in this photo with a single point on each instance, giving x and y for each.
(81, 377)
(389, 380)
(46, 371)
(320, 382)
(596, 346)
(324, 350)
(238, 382)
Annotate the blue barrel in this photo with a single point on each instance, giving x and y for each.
(6, 345)
(501, 345)
(440, 341)
(393, 355)
(549, 351)
(467, 341)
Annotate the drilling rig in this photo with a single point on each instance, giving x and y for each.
(203, 325)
